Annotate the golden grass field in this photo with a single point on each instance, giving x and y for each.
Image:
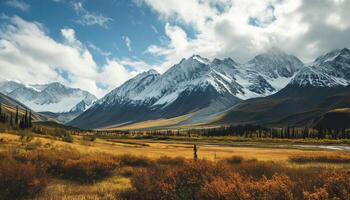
(105, 189)
(154, 150)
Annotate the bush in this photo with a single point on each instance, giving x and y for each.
(68, 163)
(66, 137)
(89, 168)
(61, 133)
(178, 161)
(205, 180)
(89, 138)
(234, 160)
(134, 161)
(18, 180)
(336, 186)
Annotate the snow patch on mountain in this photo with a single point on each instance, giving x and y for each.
(264, 75)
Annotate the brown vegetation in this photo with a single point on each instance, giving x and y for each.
(255, 180)
(41, 168)
(325, 158)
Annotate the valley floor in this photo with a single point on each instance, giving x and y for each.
(58, 188)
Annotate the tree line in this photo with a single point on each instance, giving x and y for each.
(17, 121)
(248, 131)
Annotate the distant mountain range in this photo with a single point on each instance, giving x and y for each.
(316, 89)
(54, 99)
(272, 89)
(210, 90)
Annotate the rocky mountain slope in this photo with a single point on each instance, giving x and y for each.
(194, 85)
(315, 89)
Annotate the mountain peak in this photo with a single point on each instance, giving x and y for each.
(152, 71)
(333, 56)
(56, 84)
(141, 75)
(199, 59)
(345, 50)
(225, 61)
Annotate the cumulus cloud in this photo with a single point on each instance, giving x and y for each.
(243, 28)
(21, 5)
(29, 55)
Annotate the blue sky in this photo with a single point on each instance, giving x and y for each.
(98, 45)
(123, 19)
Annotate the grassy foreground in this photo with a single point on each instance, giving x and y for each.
(47, 168)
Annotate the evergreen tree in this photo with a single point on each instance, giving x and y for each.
(195, 156)
(26, 119)
(30, 119)
(16, 117)
(21, 123)
(11, 120)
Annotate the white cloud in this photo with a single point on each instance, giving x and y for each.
(98, 50)
(113, 66)
(127, 42)
(243, 28)
(21, 5)
(89, 18)
(29, 55)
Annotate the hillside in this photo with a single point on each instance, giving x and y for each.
(335, 119)
(8, 106)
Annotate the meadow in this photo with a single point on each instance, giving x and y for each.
(47, 166)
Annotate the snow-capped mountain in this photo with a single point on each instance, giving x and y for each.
(194, 85)
(329, 70)
(53, 97)
(275, 66)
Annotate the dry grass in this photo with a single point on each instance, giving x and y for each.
(321, 158)
(68, 190)
(155, 150)
(152, 123)
(130, 163)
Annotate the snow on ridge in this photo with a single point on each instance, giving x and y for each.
(225, 76)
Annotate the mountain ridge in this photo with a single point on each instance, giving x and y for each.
(218, 83)
(52, 97)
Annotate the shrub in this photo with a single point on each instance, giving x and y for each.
(66, 137)
(134, 161)
(178, 161)
(336, 186)
(89, 138)
(205, 180)
(89, 168)
(18, 180)
(234, 160)
(258, 169)
(68, 163)
(237, 187)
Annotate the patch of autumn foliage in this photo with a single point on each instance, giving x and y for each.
(20, 179)
(25, 172)
(248, 180)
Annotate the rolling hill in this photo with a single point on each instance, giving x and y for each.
(9, 105)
